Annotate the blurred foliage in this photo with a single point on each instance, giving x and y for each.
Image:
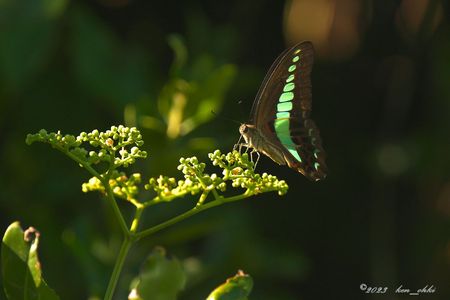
(28, 37)
(193, 94)
(103, 66)
(383, 115)
(160, 278)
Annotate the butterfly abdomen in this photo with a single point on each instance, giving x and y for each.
(255, 139)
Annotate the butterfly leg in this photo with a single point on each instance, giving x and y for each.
(251, 156)
(240, 148)
(257, 159)
(238, 144)
(243, 145)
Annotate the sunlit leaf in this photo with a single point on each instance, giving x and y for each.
(21, 269)
(235, 288)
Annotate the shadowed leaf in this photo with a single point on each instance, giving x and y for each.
(160, 278)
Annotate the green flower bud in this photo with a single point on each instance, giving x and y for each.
(95, 133)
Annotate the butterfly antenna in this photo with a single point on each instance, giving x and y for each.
(234, 121)
(241, 111)
(225, 118)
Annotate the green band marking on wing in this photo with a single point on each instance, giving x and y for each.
(283, 115)
(283, 134)
(290, 78)
(284, 106)
(288, 96)
(289, 87)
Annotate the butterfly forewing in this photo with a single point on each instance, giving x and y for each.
(282, 108)
(279, 76)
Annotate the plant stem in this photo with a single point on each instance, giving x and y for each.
(126, 244)
(109, 192)
(131, 236)
(115, 207)
(137, 217)
(189, 213)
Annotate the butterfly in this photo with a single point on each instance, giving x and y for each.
(280, 125)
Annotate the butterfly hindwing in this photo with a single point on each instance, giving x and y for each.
(308, 145)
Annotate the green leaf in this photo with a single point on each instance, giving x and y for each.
(21, 269)
(235, 288)
(160, 278)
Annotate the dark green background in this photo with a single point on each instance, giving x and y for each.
(76, 67)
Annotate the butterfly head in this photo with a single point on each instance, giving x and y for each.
(243, 129)
(247, 131)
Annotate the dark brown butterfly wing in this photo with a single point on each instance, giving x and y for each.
(282, 108)
(265, 101)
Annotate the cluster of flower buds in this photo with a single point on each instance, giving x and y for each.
(119, 147)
